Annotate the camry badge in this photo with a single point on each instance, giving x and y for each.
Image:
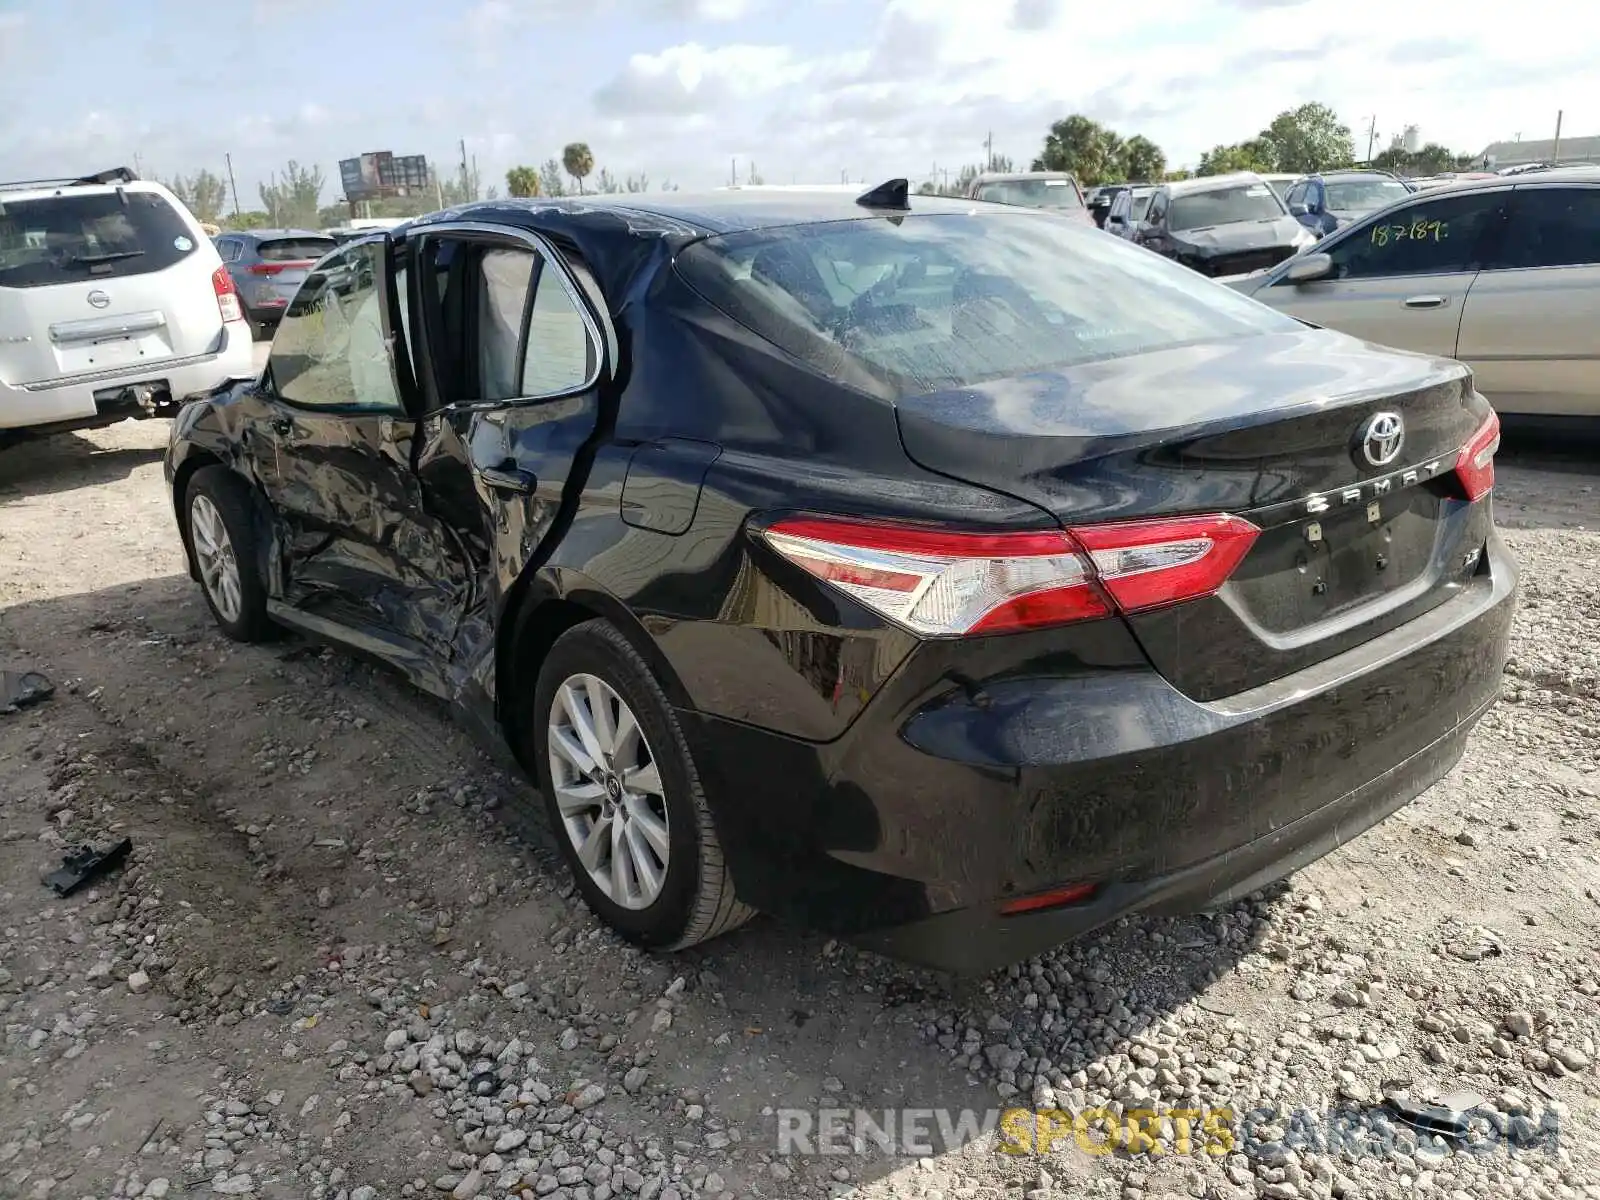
(1382, 437)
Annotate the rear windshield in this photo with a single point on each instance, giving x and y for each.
(1363, 195)
(292, 249)
(1246, 202)
(939, 301)
(1032, 193)
(100, 235)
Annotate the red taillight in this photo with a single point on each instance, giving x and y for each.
(274, 268)
(1148, 564)
(1075, 893)
(227, 295)
(943, 583)
(1475, 467)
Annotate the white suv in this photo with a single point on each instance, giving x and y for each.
(113, 304)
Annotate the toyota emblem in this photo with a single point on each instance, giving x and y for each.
(99, 299)
(1382, 437)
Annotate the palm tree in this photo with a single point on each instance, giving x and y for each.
(578, 161)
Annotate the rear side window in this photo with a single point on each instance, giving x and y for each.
(72, 238)
(1032, 193)
(293, 249)
(1552, 227)
(1439, 235)
(933, 302)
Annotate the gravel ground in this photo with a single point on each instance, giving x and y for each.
(341, 963)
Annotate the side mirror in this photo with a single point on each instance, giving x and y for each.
(1297, 208)
(1308, 268)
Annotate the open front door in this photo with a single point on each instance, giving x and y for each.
(335, 442)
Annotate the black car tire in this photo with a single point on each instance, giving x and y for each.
(697, 900)
(230, 496)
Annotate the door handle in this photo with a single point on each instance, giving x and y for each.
(282, 425)
(1424, 302)
(508, 478)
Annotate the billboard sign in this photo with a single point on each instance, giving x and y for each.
(381, 173)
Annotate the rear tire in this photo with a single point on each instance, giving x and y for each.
(650, 866)
(218, 523)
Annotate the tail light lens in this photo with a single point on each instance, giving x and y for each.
(1475, 467)
(227, 295)
(276, 268)
(946, 584)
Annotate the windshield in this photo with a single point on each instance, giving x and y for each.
(294, 249)
(930, 302)
(100, 235)
(1363, 195)
(1281, 186)
(1032, 193)
(1224, 206)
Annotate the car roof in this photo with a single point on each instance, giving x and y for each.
(690, 216)
(1377, 172)
(1206, 183)
(15, 193)
(1013, 176)
(262, 235)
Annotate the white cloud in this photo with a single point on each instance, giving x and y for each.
(938, 75)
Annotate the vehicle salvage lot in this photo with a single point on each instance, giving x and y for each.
(331, 970)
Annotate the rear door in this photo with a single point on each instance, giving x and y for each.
(513, 350)
(1401, 278)
(1531, 329)
(333, 447)
(101, 279)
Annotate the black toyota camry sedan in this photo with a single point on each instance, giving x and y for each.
(947, 576)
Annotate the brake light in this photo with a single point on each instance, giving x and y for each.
(227, 295)
(1074, 893)
(274, 268)
(1149, 564)
(1475, 467)
(944, 583)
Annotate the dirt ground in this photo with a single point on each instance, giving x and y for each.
(339, 965)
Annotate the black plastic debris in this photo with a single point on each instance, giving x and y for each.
(1449, 1116)
(18, 689)
(85, 864)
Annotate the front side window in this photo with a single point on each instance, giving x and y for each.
(1552, 227)
(83, 238)
(942, 301)
(1032, 193)
(1440, 234)
(1139, 205)
(330, 351)
(1158, 208)
(1225, 206)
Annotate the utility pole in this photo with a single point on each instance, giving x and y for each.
(1372, 136)
(988, 152)
(138, 165)
(232, 186)
(733, 171)
(1555, 151)
(464, 176)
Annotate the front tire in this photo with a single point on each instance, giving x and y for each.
(221, 533)
(623, 796)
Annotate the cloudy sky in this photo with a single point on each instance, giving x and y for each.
(808, 91)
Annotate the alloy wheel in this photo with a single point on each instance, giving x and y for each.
(608, 790)
(213, 551)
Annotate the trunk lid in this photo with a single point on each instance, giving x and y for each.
(1270, 428)
(100, 280)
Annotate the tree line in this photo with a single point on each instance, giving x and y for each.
(577, 161)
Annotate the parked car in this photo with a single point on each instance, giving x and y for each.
(1280, 182)
(1055, 190)
(1221, 224)
(268, 266)
(1502, 273)
(951, 577)
(113, 304)
(1325, 201)
(1128, 209)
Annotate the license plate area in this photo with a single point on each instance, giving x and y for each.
(1308, 571)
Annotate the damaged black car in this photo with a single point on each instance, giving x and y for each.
(1222, 225)
(952, 579)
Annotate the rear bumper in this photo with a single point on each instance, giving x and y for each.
(89, 400)
(943, 801)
